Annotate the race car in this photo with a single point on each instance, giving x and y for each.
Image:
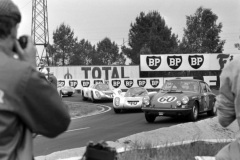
(132, 99)
(99, 91)
(65, 90)
(181, 97)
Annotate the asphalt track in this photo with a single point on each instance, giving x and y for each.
(106, 126)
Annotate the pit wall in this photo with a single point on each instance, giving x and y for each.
(148, 83)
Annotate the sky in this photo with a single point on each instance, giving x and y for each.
(93, 20)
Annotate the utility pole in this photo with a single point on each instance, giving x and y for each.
(39, 30)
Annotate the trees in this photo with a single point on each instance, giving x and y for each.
(202, 33)
(150, 34)
(106, 52)
(121, 59)
(64, 43)
(82, 53)
(67, 50)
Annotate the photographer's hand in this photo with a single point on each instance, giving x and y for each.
(28, 54)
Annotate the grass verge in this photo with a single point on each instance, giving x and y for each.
(80, 109)
(181, 152)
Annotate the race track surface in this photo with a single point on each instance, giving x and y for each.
(107, 126)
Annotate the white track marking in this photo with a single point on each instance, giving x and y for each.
(99, 112)
(77, 129)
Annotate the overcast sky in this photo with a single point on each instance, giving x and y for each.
(94, 20)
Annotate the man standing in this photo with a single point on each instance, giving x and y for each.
(28, 103)
(42, 68)
(228, 107)
(53, 80)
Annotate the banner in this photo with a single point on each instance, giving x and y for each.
(79, 83)
(189, 62)
(95, 72)
(148, 83)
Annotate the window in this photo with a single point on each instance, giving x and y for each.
(208, 88)
(204, 87)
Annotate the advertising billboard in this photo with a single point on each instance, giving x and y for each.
(183, 62)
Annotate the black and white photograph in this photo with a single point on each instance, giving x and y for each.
(119, 79)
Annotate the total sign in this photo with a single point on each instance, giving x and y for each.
(190, 62)
(95, 72)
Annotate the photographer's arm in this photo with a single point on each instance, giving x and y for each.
(28, 54)
(44, 112)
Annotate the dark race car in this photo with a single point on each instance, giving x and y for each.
(65, 90)
(181, 97)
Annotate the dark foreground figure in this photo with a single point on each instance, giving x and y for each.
(29, 104)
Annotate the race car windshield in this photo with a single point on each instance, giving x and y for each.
(132, 92)
(186, 86)
(102, 87)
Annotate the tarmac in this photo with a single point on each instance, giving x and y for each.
(207, 130)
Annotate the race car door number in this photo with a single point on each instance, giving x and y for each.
(160, 113)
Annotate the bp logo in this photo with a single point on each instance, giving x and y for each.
(128, 83)
(85, 83)
(61, 83)
(97, 81)
(73, 83)
(116, 83)
(174, 62)
(167, 99)
(196, 61)
(153, 62)
(154, 82)
(141, 82)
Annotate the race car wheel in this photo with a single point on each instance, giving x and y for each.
(150, 118)
(117, 110)
(83, 97)
(193, 116)
(92, 98)
(213, 111)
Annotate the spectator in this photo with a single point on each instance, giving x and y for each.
(228, 107)
(53, 80)
(28, 104)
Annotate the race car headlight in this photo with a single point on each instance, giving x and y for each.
(178, 103)
(185, 100)
(97, 94)
(146, 100)
(117, 101)
(64, 91)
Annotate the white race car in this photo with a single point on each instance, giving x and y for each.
(132, 99)
(100, 91)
